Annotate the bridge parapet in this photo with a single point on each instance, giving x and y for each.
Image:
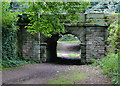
(88, 29)
(91, 19)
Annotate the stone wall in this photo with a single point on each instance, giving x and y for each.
(43, 48)
(92, 42)
(29, 45)
(95, 42)
(91, 33)
(39, 47)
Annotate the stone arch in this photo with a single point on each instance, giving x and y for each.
(92, 35)
(52, 43)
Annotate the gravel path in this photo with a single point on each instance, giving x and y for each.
(42, 73)
(31, 73)
(68, 47)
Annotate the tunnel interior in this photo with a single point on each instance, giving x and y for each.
(68, 46)
(64, 50)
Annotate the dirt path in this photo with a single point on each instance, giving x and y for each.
(68, 47)
(64, 49)
(43, 73)
(51, 73)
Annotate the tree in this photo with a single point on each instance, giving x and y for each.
(45, 16)
(9, 19)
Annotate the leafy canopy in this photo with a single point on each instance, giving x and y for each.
(9, 19)
(45, 16)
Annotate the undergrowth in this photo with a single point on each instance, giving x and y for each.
(8, 64)
(109, 64)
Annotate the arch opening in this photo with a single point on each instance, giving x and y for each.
(69, 49)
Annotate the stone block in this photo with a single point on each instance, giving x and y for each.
(95, 16)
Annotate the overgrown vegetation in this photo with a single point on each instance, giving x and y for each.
(48, 25)
(110, 64)
(41, 23)
(47, 16)
(9, 37)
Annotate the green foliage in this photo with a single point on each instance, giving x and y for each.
(110, 63)
(114, 34)
(48, 23)
(74, 55)
(9, 19)
(45, 16)
(12, 63)
(8, 44)
(110, 67)
(9, 37)
(68, 37)
(59, 54)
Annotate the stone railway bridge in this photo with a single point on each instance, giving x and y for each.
(91, 31)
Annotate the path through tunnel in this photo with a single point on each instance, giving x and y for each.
(64, 49)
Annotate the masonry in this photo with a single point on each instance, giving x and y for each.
(92, 37)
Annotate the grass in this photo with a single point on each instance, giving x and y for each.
(59, 44)
(70, 55)
(68, 78)
(70, 41)
(74, 55)
(59, 54)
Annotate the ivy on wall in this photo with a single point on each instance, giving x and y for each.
(8, 44)
(114, 34)
(9, 36)
(110, 64)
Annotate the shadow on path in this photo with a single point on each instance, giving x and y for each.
(67, 61)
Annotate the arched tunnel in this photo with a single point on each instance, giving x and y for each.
(92, 44)
(52, 51)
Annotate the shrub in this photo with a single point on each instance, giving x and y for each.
(109, 64)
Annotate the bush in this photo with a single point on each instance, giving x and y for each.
(12, 63)
(109, 64)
